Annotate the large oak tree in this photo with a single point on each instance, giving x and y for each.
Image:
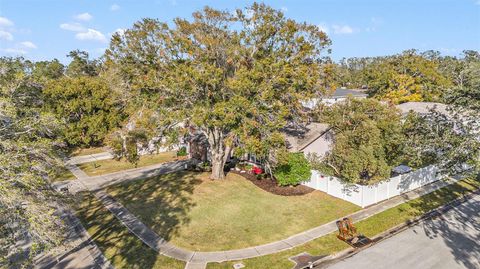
(238, 77)
(28, 139)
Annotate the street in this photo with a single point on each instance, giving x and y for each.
(448, 241)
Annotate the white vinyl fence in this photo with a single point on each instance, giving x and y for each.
(368, 195)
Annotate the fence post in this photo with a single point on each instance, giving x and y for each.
(363, 193)
(328, 185)
(388, 189)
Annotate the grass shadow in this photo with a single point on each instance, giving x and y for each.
(161, 202)
(122, 248)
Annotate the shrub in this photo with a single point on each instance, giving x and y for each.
(182, 152)
(293, 169)
(204, 167)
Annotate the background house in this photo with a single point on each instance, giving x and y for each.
(338, 95)
(318, 137)
(313, 138)
(422, 108)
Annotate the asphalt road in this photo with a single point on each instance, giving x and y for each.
(446, 242)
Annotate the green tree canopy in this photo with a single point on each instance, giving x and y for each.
(46, 70)
(236, 77)
(27, 140)
(81, 64)
(409, 76)
(87, 106)
(368, 140)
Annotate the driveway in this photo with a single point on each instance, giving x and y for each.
(448, 241)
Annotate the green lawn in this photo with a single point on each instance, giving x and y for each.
(203, 215)
(88, 151)
(122, 248)
(62, 174)
(109, 166)
(372, 226)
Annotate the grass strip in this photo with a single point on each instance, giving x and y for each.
(118, 244)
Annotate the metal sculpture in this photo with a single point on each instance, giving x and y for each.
(347, 232)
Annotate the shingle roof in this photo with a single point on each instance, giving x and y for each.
(299, 138)
(423, 107)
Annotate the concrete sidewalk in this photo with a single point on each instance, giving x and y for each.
(90, 158)
(99, 182)
(85, 182)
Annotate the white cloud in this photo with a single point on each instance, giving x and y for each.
(342, 29)
(114, 7)
(4, 22)
(6, 35)
(28, 45)
(91, 34)
(120, 31)
(75, 27)
(14, 51)
(324, 28)
(284, 9)
(84, 17)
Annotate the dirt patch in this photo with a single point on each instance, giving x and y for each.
(267, 184)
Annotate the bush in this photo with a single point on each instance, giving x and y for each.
(293, 169)
(182, 152)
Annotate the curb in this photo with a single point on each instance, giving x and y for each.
(395, 230)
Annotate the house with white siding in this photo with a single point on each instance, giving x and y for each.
(338, 95)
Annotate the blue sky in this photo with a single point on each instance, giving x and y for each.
(47, 29)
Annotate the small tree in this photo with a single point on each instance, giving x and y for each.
(292, 169)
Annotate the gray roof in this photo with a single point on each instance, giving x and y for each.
(299, 138)
(345, 92)
(402, 169)
(423, 107)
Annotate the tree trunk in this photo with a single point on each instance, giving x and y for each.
(217, 168)
(219, 153)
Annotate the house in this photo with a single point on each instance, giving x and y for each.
(338, 95)
(313, 138)
(318, 137)
(423, 108)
